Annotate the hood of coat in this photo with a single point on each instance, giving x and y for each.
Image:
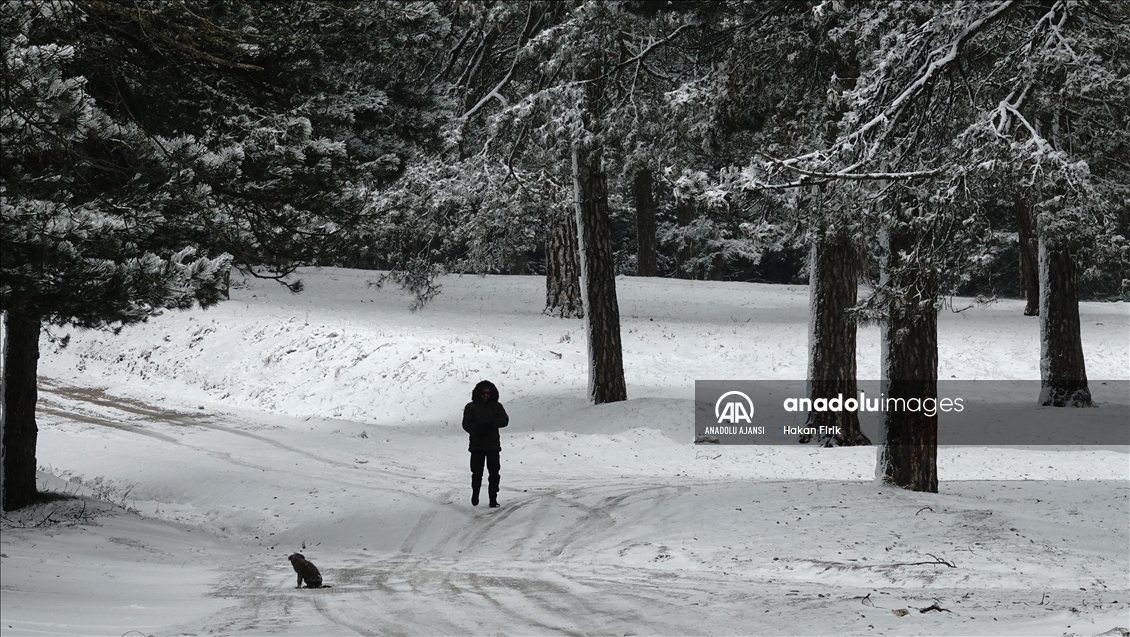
(477, 395)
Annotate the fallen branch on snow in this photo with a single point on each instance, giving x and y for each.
(937, 561)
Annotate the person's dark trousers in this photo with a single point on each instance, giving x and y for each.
(493, 465)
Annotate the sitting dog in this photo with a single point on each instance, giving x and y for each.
(306, 572)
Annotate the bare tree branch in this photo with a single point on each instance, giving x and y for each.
(894, 111)
(847, 175)
(494, 92)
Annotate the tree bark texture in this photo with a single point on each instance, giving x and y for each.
(1029, 256)
(21, 362)
(909, 454)
(646, 261)
(562, 268)
(717, 265)
(684, 255)
(519, 264)
(602, 310)
(1063, 371)
(833, 277)
(598, 266)
(3, 394)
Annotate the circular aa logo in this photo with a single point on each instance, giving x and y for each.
(734, 410)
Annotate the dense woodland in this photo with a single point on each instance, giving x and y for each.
(921, 148)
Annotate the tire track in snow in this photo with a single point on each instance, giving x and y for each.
(476, 597)
(65, 409)
(598, 519)
(413, 536)
(389, 595)
(543, 595)
(65, 414)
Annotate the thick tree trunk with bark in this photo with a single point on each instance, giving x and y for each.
(1063, 371)
(598, 266)
(909, 455)
(1029, 255)
(21, 362)
(562, 268)
(646, 261)
(833, 278)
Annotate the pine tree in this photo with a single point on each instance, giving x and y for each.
(85, 199)
(779, 90)
(139, 135)
(643, 185)
(553, 128)
(947, 103)
(1029, 254)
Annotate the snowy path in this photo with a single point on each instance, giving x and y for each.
(605, 553)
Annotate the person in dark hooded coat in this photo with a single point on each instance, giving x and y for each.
(482, 418)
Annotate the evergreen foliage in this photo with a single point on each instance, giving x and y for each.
(150, 146)
(255, 129)
(84, 198)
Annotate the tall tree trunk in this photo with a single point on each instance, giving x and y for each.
(909, 454)
(684, 215)
(563, 268)
(227, 284)
(21, 362)
(832, 285)
(1063, 371)
(598, 267)
(646, 261)
(519, 264)
(3, 394)
(1029, 255)
(717, 264)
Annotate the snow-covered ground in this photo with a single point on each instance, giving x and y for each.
(209, 445)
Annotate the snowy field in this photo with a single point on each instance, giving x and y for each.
(209, 445)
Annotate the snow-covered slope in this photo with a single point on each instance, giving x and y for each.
(328, 423)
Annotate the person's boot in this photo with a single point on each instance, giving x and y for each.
(493, 483)
(475, 485)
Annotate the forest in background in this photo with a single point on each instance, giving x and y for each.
(924, 148)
